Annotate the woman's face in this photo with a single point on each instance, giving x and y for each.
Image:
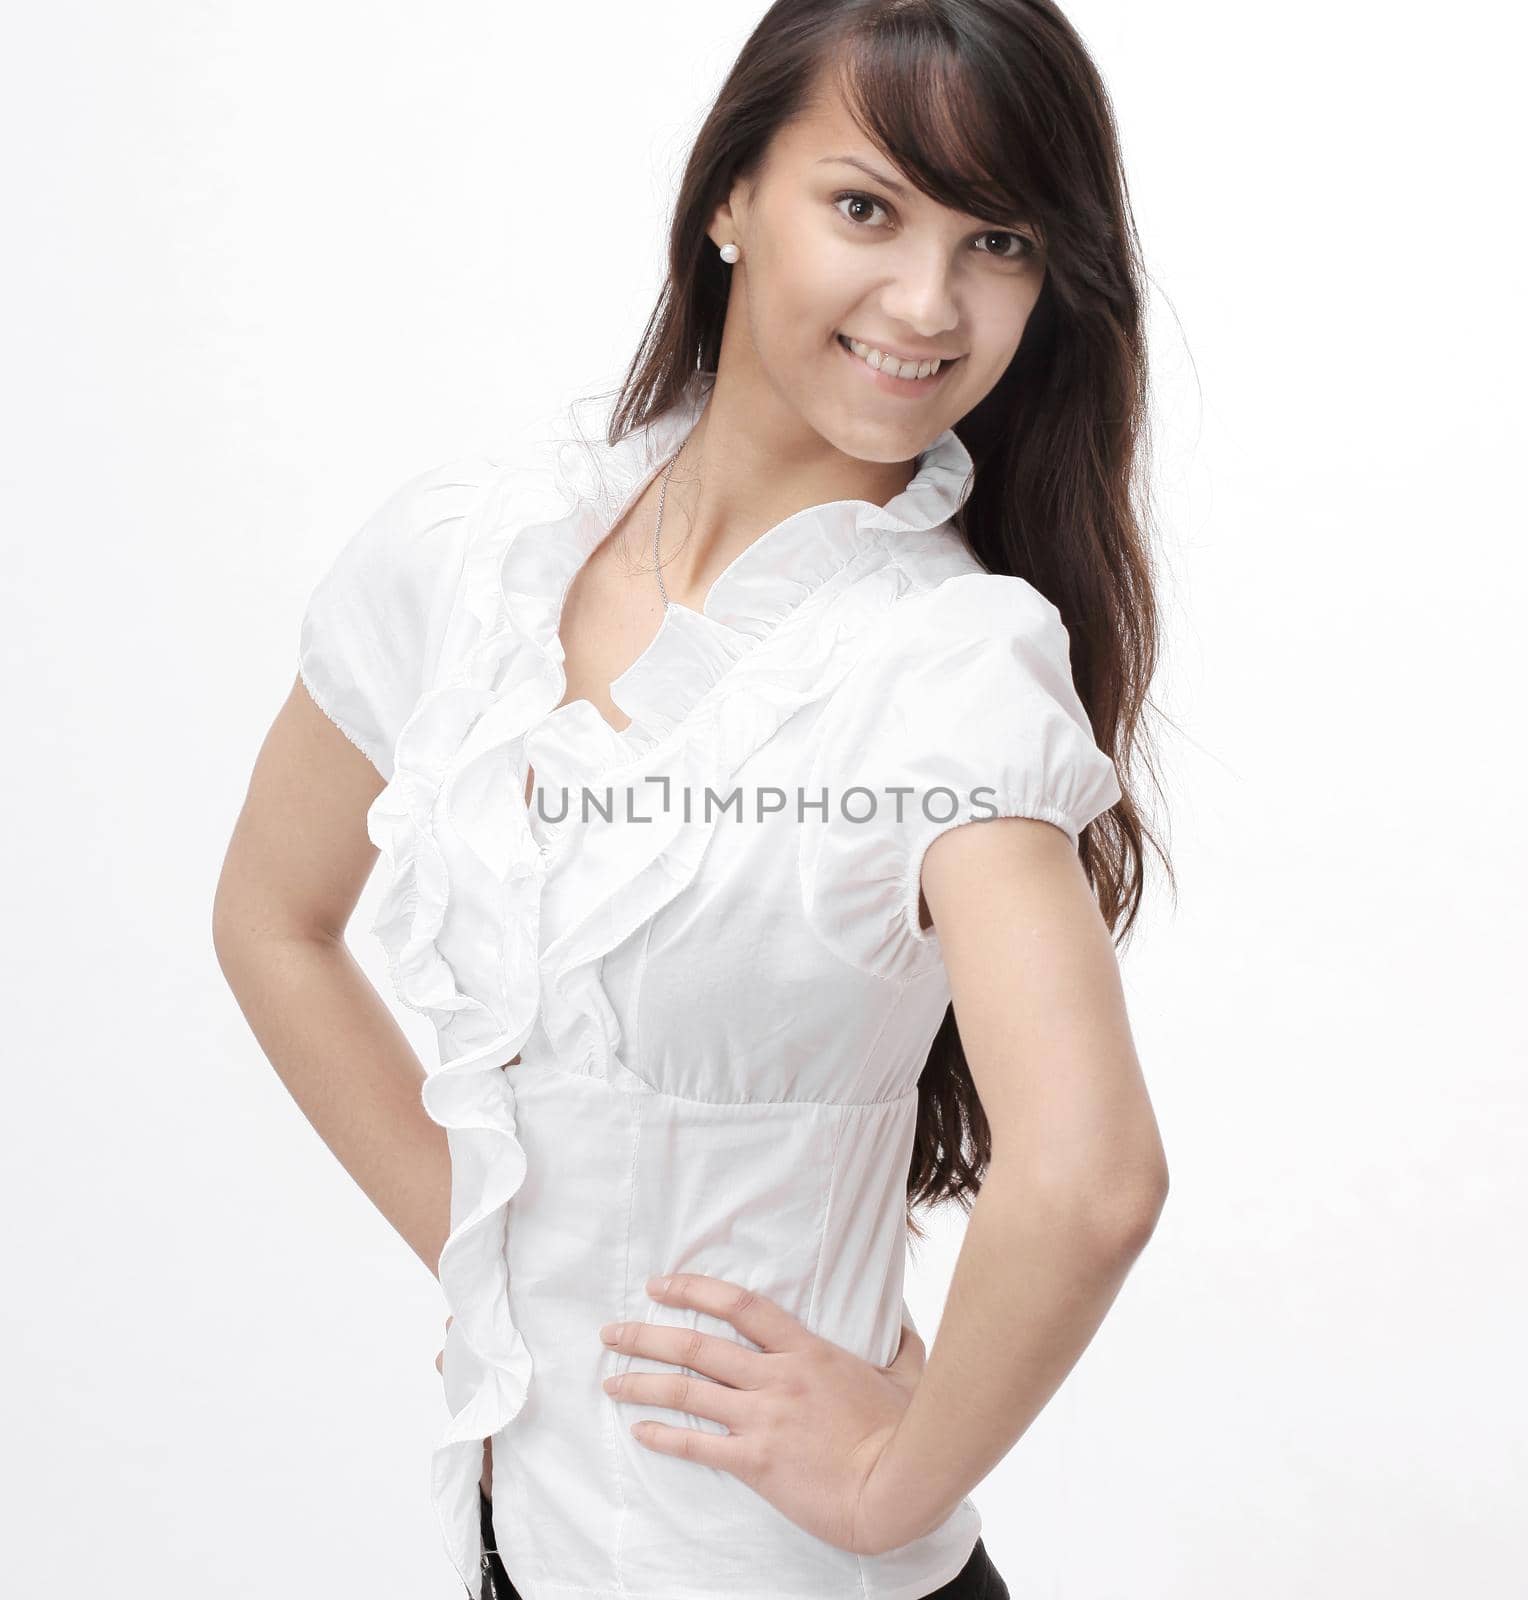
(833, 252)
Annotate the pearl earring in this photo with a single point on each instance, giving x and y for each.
(730, 253)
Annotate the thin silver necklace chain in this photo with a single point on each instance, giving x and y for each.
(658, 529)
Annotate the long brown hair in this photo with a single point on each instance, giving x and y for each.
(994, 108)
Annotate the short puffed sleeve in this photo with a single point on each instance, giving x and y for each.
(375, 623)
(966, 709)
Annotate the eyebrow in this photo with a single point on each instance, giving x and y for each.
(899, 189)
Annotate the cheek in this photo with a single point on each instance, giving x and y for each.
(802, 288)
(999, 320)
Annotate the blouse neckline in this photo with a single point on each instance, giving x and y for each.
(770, 576)
(692, 651)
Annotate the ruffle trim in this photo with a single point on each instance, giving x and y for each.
(485, 1365)
(459, 921)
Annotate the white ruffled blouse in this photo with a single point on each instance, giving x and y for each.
(721, 1010)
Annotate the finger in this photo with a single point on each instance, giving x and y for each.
(709, 1354)
(754, 1315)
(678, 1391)
(723, 1450)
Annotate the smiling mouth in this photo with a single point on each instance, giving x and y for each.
(910, 372)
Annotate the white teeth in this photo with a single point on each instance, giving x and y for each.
(890, 364)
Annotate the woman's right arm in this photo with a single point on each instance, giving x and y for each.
(295, 867)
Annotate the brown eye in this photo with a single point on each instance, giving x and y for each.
(862, 200)
(1026, 247)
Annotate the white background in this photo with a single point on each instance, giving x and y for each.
(264, 262)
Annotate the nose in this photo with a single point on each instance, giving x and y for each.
(921, 295)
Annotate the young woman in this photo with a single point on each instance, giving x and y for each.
(674, 745)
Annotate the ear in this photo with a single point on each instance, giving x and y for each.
(730, 219)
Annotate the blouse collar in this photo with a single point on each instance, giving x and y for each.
(693, 651)
(768, 579)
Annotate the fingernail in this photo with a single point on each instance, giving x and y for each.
(610, 1332)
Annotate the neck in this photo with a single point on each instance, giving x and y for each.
(748, 464)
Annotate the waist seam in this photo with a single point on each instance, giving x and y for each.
(646, 1090)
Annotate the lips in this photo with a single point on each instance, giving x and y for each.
(893, 362)
(888, 379)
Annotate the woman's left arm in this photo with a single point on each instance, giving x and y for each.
(1078, 1176)
(872, 1457)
